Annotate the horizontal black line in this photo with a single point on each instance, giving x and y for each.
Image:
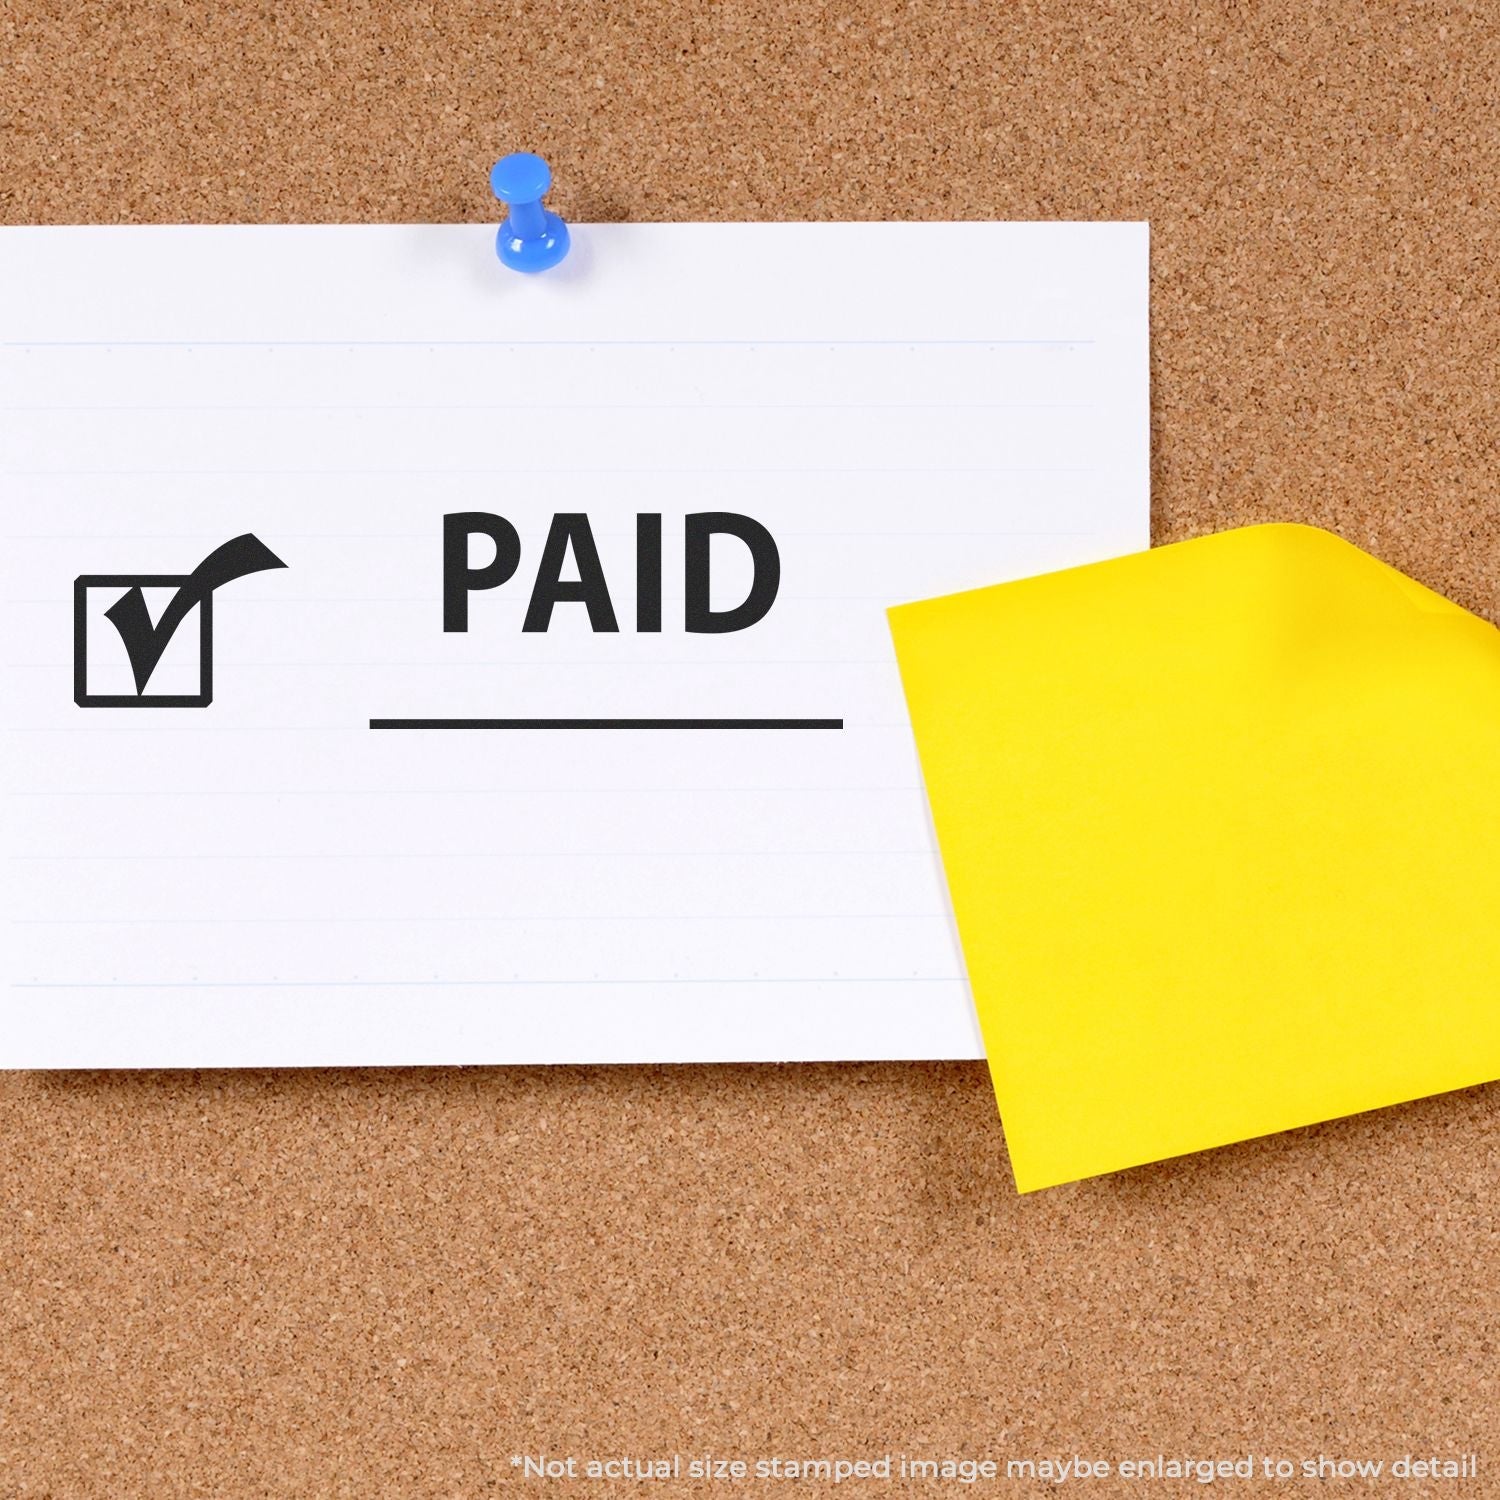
(606, 723)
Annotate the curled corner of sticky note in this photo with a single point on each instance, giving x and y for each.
(1218, 822)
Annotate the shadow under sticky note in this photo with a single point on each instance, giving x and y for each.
(1221, 829)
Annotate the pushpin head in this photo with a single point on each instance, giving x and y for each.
(532, 238)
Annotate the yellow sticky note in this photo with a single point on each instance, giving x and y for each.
(1221, 827)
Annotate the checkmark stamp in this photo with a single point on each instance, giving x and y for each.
(145, 641)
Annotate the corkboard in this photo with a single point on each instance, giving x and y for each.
(387, 1283)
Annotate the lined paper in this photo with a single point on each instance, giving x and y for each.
(908, 409)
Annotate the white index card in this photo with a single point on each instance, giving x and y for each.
(620, 770)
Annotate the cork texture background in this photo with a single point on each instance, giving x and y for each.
(390, 1282)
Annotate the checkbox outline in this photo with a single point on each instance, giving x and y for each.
(85, 699)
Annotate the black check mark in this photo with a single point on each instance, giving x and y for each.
(145, 643)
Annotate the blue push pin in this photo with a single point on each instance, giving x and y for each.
(532, 238)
